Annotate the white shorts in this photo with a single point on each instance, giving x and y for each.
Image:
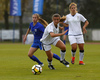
(47, 47)
(76, 39)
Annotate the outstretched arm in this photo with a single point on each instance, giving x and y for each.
(64, 24)
(59, 34)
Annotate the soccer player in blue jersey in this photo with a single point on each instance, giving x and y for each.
(37, 28)
(65, 35)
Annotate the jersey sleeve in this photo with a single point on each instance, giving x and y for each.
(66, 21)
(82, 18)
(50, 29)
(30, 26)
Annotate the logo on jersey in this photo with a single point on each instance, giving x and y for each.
(35, 30)
(77, 17)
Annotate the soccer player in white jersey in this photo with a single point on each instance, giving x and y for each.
(75, 34)
(51, 36)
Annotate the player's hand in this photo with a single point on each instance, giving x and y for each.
(61, 22)
(84, 30)
(64, 32)
(25, 37)
(62, 28)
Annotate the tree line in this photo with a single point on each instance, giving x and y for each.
(89, 8)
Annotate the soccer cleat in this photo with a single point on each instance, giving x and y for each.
(73, 59)
(81, 63)
(51, 67)
(41, 65)
(65, 63)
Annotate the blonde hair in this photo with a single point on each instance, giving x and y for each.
(73, 4)
(42, 21)
(63, 18)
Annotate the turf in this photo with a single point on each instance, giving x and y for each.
(16, 65)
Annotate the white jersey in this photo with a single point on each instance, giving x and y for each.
(74, 23)
(46, 38)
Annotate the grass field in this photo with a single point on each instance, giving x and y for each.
(16, 65)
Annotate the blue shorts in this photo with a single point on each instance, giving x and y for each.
(66, 28)
(37, 44)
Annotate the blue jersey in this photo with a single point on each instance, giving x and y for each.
(37, 30)
(66, 28)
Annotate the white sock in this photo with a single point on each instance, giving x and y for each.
(73, 53)
(62, 55)
(81, 56)
(49, 62)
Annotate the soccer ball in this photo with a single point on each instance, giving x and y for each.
(36, 69)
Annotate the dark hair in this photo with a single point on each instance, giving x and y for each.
(56, 15)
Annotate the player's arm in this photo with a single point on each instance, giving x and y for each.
(26, 34)
(61, 28)
(64, 24)
(84, 27)
(59, 34)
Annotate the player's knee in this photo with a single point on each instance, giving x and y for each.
(73, 50)
(63, 50)
(30, 55)
(82, 51)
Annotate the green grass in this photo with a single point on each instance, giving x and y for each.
(16, 65)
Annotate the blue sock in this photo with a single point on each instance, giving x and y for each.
(56, 56)
(34, 58)
(64, 41)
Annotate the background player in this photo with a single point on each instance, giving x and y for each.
(65, 35)
(75, 34)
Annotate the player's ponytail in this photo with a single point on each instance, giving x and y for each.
(63, 18)
(43, 22)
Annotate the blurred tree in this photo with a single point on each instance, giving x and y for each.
(6, 14)
(91, 10)
(54, 6)
(23, 9)
(1, 9)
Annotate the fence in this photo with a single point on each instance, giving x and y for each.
(92, 35)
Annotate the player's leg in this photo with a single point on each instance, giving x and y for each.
(80, 41)
(61, 45)
(34, 58)
(65, 35)
(50, 56)
(47, 49)
(73, 52)
(81, 48)
(64, 39)
(73, 43)
(56, 56)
